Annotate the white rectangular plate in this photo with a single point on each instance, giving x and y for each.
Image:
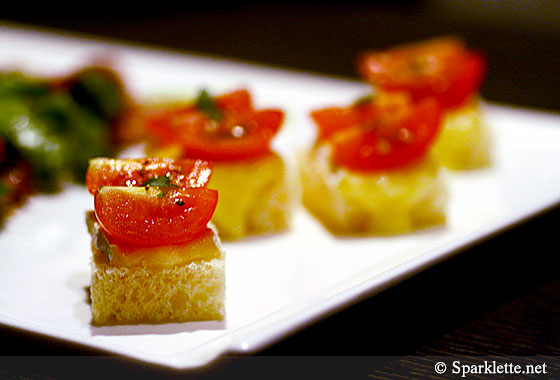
(274, 284)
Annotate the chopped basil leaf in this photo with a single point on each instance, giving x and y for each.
(206, 104)
(159, 182)
(100, 241)
(363, 100)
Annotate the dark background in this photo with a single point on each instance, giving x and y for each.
(501, 297)
(519, 37)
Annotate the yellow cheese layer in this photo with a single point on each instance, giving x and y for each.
(204, 247)
(380, 203)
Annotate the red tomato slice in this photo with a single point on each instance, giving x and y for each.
(134, 172)
(442, 68)
(230, 140)
(240, 133)
(167, 125)
(153, 216)
(373, 137)
(237, 102)
(335, 119)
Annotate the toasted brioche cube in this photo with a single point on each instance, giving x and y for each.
(464, 142)
(378, 203)
(164, 284)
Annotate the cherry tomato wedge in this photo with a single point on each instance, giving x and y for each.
(443, 68)
(135, 172)
(152, 216)
(237, 103)
(370, 137)
(334, 119)
(239, 132)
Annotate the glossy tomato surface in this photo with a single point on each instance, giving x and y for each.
(442, 68)
(224, 128)
(135, 172)
(151, 201)
(371, 136)
(151, 216)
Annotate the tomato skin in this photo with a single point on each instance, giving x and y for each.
(442, 68)
(372, 137)
(135, 172)
(257, 132)
(237, 103)
(143, 216)
(335, 119)
(151, 201)
(242, 132)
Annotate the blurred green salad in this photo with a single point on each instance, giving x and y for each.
(49, 129)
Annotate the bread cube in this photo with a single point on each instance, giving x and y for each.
(377, 203)
(173, 283)
(464, 142)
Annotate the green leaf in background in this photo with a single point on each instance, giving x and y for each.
(57, 129)
(16, 84)
(99, 92)
(34, 139)
(206, 104)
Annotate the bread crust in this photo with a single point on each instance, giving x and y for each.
(148, 292)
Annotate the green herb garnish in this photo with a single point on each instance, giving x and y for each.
(100, 241)
(206, 104)
(362, 100)
(159, 182)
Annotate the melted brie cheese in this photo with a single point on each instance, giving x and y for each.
(206, 246)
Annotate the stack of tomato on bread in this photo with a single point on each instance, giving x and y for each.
(375, 167)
